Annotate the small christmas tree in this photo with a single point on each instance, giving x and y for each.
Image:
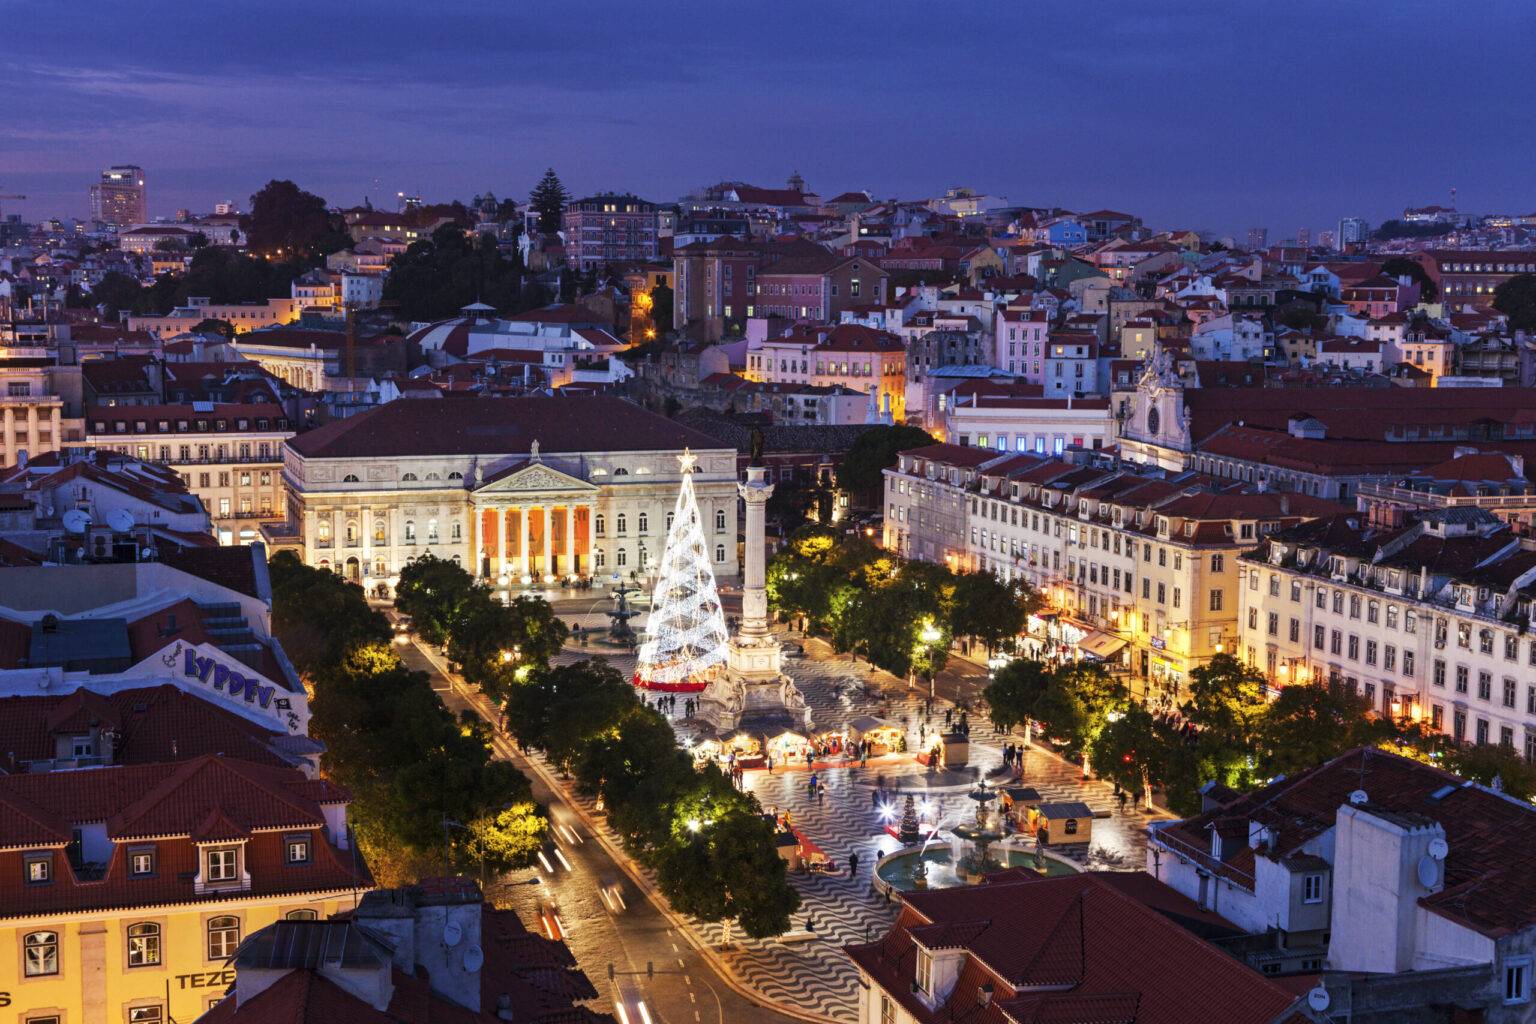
(909, 832)
(687, 639)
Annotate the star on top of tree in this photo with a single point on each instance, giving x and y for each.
(688, 460)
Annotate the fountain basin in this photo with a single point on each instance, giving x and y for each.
(896, 870)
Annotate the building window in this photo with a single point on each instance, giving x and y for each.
(39, 868)
(1311, 888)
(223, 864)
(1517, 980)
(302, 915)
(719, 552)
(297, 850)
(923, 975)
(719, 519)
(141, 863)
(223, 937)
(40, 954)
(645, 524)
(144, 945)
(146, 1015)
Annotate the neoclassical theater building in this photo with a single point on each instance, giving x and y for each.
(518, 490)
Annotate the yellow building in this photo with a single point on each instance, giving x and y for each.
(124, 889)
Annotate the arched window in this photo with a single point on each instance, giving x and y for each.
(645, 523)
(458, 531)
(410, 531)
(1071, 827)
(431, 531)
(455, 559)
(143, 945)
(351, 533)
(323, 529)
(621, 471)
(621, 558)
(41, 954)
(380, 567)
(719, 552)
(719, 519)
(408, 478)
(350, 478)
(455, 475)
(325, 563)
(223, 937)
(379, 533)
(599, 559)
(301, 915)
(621, 524)
(433, 476)
(669, 522)
(599, 525)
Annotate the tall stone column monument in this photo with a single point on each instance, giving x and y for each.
(754, 694)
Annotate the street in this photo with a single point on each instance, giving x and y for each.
(628, 934)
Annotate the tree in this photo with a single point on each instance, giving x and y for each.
(861, 473)
(1309, 724)
(661, 309)
(1485, 762)
(1077, 704)
(1013, 696)
(501, 841)
(548, 200)
(319, 618)
(1128, 750)
(169, 245)
(988, 610)
(487, 639)
(559, 710)
(213, 325)
(435, 278)
(116, 292)
(287, 222)
(1398, 266)
(1391, 229)
(432, 591)
(1516, 299)
(1227, 704)
(729, 868)
(197, 240)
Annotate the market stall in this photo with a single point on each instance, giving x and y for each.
(882, 735)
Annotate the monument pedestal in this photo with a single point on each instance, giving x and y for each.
(754, 694)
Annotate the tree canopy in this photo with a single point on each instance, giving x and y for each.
(861, 471)
(548, 200)
(436, 277)
(1516, 299)
(289, 223)
(1398, 266)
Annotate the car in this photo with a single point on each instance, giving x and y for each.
(629, 1002)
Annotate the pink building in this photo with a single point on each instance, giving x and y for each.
(1019, 339)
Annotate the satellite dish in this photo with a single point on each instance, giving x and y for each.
(452, 933)
(1359, 798)
(75, 521)
(120, 519)
(474, 959)
(1318, 998)
(1439, 848)
(1429, 872)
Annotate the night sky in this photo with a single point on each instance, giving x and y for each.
(1280, 115)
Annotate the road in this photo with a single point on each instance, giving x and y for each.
(628, 933)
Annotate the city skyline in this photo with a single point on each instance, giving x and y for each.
(473, 101)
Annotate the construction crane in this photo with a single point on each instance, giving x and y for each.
(2, 212)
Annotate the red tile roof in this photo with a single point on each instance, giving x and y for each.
(499, 426)
(1070, 949)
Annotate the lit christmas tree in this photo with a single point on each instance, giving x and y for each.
(909, 832)
(687, 640)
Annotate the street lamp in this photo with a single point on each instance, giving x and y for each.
(930, 636)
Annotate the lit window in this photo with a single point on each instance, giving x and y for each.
(223, 937)
(41, 954)
(143, 945)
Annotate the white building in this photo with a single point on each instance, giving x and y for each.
(513, 489)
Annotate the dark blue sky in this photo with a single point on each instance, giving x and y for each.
(1210, 114)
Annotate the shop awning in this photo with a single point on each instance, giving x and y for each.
(1100, 644)
(867, 723)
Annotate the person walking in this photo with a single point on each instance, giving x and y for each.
(853, 866)
(874, 798)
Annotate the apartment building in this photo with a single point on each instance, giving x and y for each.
(39, 406)
(1428, 620)
(229, 454)
(1140, 568)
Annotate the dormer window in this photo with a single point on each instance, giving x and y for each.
(297, 849)
(82, 746)
(38, 867)
(923, 975)
(141, 862)
(222, 864)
